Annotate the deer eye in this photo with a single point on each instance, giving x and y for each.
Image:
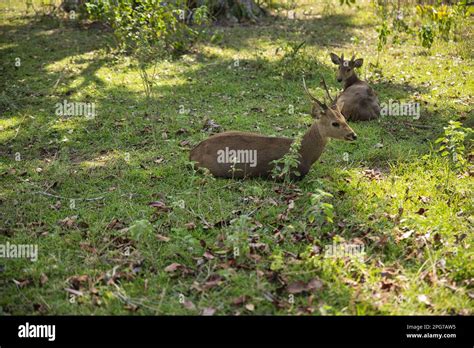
(335, 124)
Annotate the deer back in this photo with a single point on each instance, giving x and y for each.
(359, 102)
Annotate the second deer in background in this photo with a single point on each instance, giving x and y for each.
(359, 99)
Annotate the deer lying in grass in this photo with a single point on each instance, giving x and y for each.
(359, 99)
(243, 155)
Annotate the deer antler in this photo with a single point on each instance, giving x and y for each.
(323, 83)
(353, 57)
(312, 96)
(342, 58)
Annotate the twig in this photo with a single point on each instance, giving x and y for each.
(416, 125)
(61, 197)
(323, 82)
(61, 74)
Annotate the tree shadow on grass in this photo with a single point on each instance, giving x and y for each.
(333, 30)
(38, 45)
(250, 97)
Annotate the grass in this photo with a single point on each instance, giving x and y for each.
(80, 188)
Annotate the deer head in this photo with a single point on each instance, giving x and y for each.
(346, 67)
(331, 122)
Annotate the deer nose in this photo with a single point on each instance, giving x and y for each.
(351, 136)
(339, 79)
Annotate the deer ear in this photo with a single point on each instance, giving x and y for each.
(335, 59)
(339, 106)
(317, 111)
(358, 63)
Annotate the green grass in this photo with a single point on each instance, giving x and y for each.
(108, 166)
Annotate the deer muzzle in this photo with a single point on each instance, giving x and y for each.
(351, 137)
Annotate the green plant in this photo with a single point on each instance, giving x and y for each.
(347, 2)
(426, 35)
(384, 32)
(320, 210)
(238, 238)
(452, 144)
(146, 23)
(286, 167)
(295, 61)
(140, 229)
(149, 30)
(278, 261)
(440, 17)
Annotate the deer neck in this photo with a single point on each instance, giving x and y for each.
(351, 80)
(312, 146)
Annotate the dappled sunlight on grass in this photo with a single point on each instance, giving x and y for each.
(6, 123)
(105, 159)
(82, 183)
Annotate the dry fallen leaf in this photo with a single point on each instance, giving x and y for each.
(22, 283)
(190, 225)
(43, 278)
(296, 287)
(115, 224)
(189, 305)
(162, 238)
(78, 281)
(181, 131)
(424, 199)
(407, 234)
(300, 286)
(211, 126)
(131, 307)
(68, 222)
(314, 284)
(207, 255)
(159, 206)
(238, 301)
(208, 311)
(173, 267)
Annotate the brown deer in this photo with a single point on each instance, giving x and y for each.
(243, 155)
(359, 99)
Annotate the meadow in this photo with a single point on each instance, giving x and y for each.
(125, 226)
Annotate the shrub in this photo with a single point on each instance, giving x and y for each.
(148, 23)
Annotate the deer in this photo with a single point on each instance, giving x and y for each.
(235, 154)
(359, 99)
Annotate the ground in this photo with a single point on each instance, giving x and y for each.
(80, 188)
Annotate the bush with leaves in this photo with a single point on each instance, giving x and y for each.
(149, 23)
(286, 168)
(319, 210)
(347, 2)
(426, 35)
(427, 21)
(452, 143)
(295, 61)
(383, 33)
(149, 30)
